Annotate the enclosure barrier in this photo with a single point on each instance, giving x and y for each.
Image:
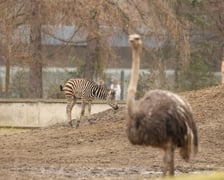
(40, 112)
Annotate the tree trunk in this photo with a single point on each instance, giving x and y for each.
(35, 73)
(93, 48)
(177, 72)
(7, 64)
(89, 69)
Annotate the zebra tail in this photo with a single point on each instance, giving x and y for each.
(61, 88)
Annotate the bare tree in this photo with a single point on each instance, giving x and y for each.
(98, 20)
(11, 17)
(35, 72)
(93, 48)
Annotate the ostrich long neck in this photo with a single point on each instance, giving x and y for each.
(133, 81)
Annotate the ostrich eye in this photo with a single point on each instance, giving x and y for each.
(137, 38)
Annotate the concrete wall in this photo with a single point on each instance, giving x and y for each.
(39, 112)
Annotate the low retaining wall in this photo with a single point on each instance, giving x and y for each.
(27, 112)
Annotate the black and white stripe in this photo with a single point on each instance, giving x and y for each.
(87, 91)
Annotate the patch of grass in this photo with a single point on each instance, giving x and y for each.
(204, 176)
(9, 131)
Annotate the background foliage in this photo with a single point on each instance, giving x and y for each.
(191, 33)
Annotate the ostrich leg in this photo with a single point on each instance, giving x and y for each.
(169, 160)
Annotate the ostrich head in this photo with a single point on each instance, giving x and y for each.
(135, 41)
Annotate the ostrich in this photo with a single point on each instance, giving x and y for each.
(160, 119)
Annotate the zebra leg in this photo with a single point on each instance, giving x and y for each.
(89, 108)
(70, 105)
(89, 112)
(83, 106)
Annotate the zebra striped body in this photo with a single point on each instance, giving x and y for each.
(87, 91)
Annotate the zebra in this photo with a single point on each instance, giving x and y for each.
(87, 91)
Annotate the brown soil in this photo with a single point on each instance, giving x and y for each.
(101, 150)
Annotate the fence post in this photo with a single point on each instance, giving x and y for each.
(122, 84)
(222, 71)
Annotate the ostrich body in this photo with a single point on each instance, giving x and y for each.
(160, 119)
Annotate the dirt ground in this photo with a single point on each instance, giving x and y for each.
(101, 150)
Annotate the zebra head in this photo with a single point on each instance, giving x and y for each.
(111, 99)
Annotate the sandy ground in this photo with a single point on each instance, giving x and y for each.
(101, 150)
